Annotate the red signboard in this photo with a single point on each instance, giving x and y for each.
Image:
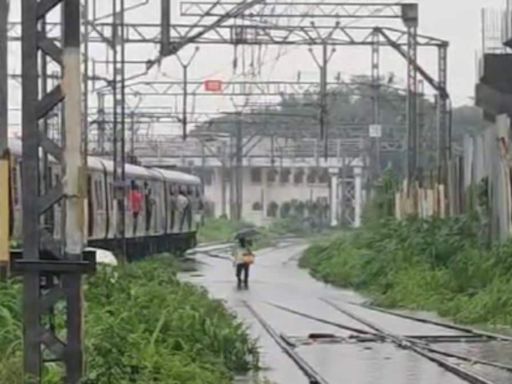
(213, 86)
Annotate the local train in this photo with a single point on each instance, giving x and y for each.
(166, 219)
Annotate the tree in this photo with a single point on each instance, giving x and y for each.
(350, 112)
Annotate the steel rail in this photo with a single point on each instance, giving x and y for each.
(431, 339)
(313, 376)
(324, 321)
(495, 336)
(407, 344)
(468, 359)
(422, 341)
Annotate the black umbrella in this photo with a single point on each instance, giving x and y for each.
(247, 233)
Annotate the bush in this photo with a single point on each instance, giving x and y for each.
(143, 326)
(436, 265)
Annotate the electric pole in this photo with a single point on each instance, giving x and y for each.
(4, 85)
(375, 136)
(4, 145)
(185, 65)
(119, 131)
(239, 169)
(52, 268)
(324, 107)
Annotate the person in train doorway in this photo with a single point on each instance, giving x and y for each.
(243, 258)
(200, 209)
(192, 207)
(135, 198)
(149, 202)
(183, 204)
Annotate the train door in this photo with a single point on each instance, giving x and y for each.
(173, 208)
(158, 210)
(150, 192)
(160, 207)
(131, 222)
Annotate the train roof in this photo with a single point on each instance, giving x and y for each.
(177, 176)
(131, 171)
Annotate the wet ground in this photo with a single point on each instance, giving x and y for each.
(276, 280)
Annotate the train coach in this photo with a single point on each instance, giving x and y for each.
(163, 208)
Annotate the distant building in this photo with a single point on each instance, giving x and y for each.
(280, 177)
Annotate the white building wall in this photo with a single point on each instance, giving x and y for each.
(264, 192)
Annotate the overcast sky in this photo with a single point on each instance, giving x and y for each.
(458, 21)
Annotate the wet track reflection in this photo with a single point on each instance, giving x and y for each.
(276, 279)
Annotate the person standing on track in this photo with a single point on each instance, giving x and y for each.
(243, 258)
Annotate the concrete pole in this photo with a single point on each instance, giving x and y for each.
(358, 196)
(73, 186)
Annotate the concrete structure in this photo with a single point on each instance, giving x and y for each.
(280, 177)
(494, 88)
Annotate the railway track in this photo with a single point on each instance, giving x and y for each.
(358, 327)
(421, 345)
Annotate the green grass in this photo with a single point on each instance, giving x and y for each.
(219, 230)
(224, 230)
(142, 326)
(436, 265)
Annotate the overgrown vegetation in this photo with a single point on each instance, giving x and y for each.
(436, 265)
(143, 326)
(348, 103)
(219, 230)
(224, 230)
